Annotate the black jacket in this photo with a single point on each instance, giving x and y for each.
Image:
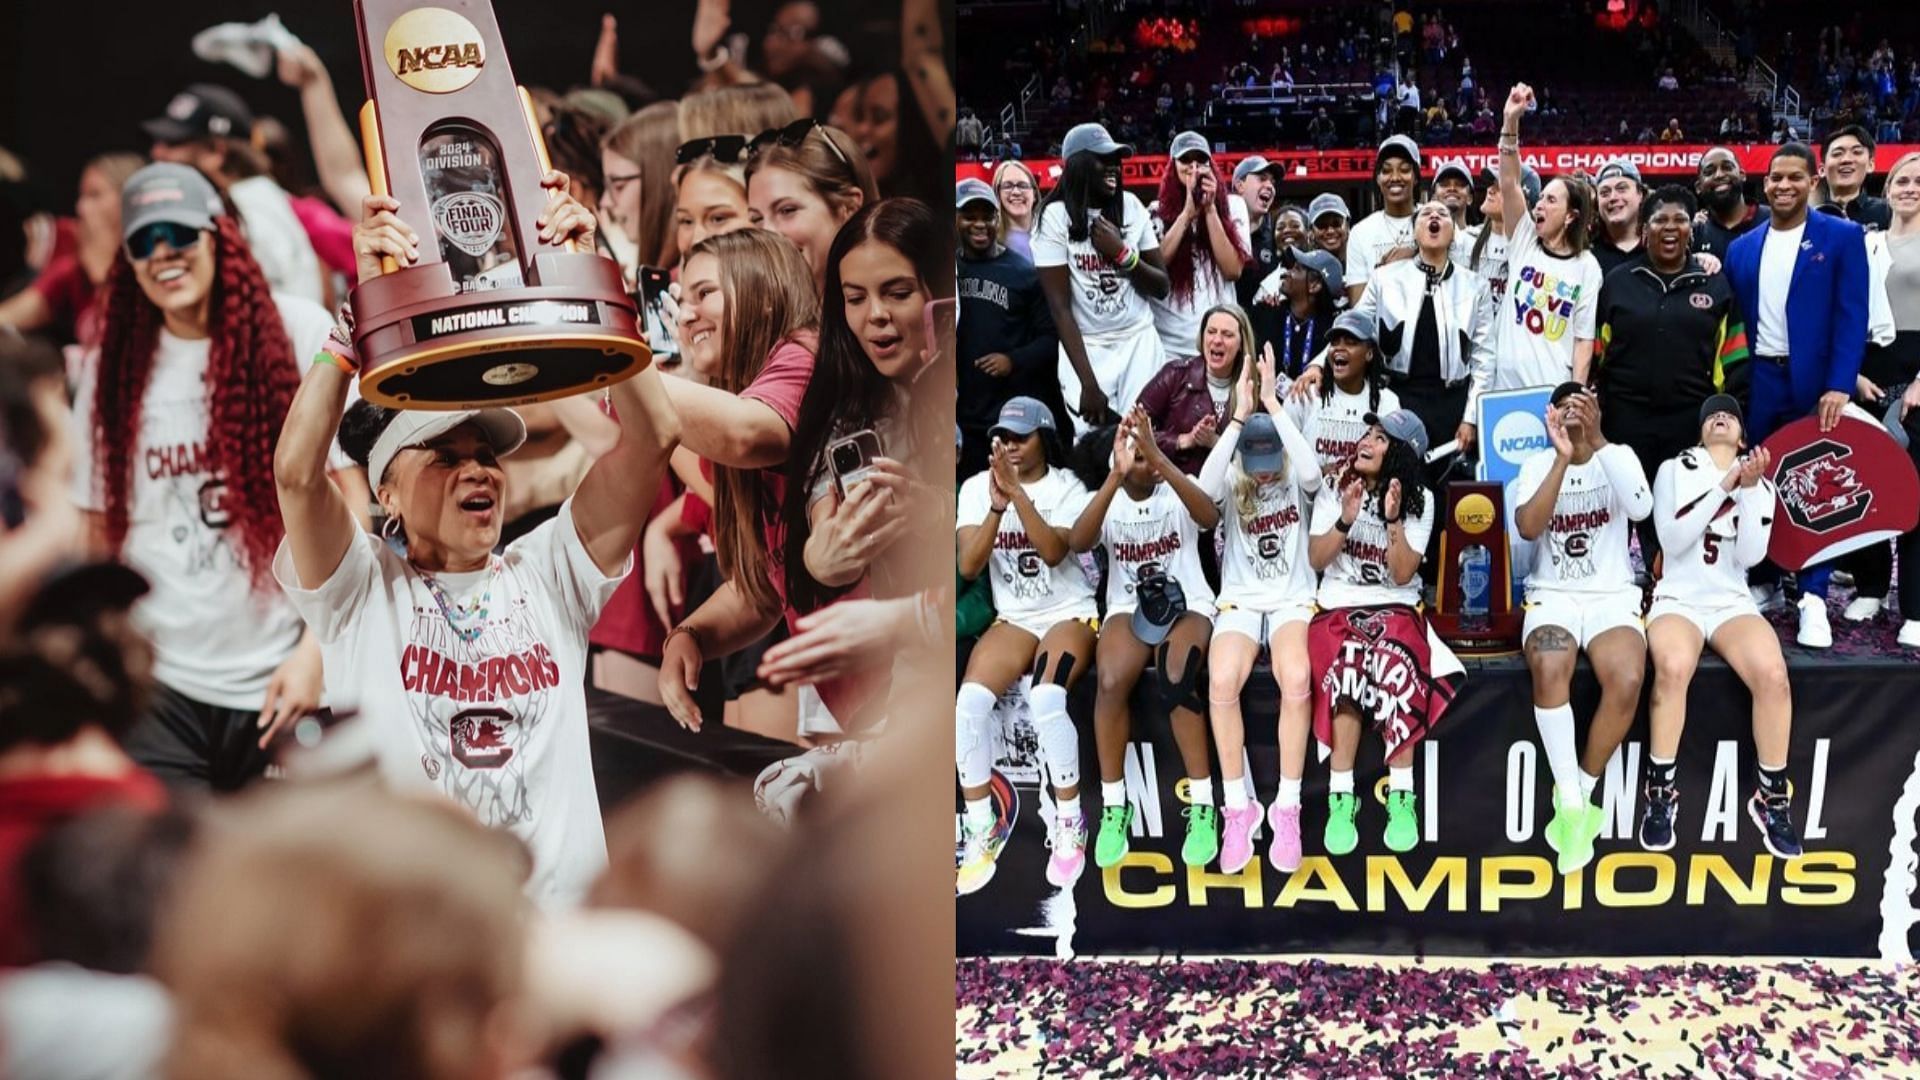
(1002, 310)
(1664, 346)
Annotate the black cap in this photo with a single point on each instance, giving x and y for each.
(1161, 603)
(1719, 403)
(200, 111)
(78, 594)
(1566, 390)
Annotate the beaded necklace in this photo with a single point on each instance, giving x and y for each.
(474, 611)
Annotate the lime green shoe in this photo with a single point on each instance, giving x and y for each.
(1111, 845)
(1578, 826)
(1203, 835)
(1341, 837)
(1403, 821)
(1557, 826)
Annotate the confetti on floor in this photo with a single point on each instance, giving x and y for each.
(1311, 1018)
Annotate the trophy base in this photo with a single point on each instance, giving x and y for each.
(422, 345)
(1494, 635)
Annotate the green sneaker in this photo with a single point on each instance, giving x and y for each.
(1341, 837)
(1403, 822)
(1555, 827)
(1111, 845)
(1203, 835)
(1578, 827)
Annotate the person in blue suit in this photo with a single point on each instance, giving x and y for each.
(1803, 282)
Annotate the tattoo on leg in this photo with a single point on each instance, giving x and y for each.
(1550, 639)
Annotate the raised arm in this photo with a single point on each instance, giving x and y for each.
(319, 523)
(336, 154)
(1513, 200)
(923, 58)
(727, 429)
(1191, 496)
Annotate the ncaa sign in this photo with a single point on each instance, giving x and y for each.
(1512, 429)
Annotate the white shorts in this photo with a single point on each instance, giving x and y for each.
(1122, 366)
(1585, 615)
(1038, 626)
(1708, 618)
(1259, 626)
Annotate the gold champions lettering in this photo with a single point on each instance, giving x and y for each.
(435, 57)
(1456, 883)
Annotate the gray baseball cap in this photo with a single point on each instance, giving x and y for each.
(1188, 142)
(1453, 168)
(1402, 145)
(1358, 323)
(971, 190)
(168, 192)
(1023, 416)
(1403, 425)
(1091, 139)
(1332, 278)
(503, 429)
(1529, 182)
(1329, 203)
(1260, 446)
(1249, 165)
(1618, 167)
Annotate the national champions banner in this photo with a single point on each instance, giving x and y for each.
(1482, 881)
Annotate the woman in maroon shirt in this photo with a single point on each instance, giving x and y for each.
(1189, 400)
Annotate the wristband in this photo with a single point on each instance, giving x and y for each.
(329, 358)
(683, 628)
(1343, 525)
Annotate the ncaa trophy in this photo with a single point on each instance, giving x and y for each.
(1473, 598)
(489, 315)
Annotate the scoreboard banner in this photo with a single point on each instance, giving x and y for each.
(1309, 166)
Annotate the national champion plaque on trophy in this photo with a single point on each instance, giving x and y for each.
(489, 315)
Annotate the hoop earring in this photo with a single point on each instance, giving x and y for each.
(390, 528)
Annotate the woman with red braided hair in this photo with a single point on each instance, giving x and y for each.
(1203, 238)
(174, 429)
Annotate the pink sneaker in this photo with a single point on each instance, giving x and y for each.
(1068, 839)
(1285, 821)
(1236, 845)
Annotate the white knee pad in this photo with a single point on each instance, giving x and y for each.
(1059, 742)
(973, 734)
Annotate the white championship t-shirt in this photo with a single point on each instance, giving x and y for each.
(1177, 321)
(216, 639)
(1025, 588)
(277, 239)
(1157, 530)
(497, 723)
(1369, 242)
(1549, 306)
(1585, 546)
(1710, 571)
(1778, 253)
(1105, 303)
(1359, 575)
(1266, 563)
(1333, 426)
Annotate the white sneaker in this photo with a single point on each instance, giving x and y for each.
(1767, 597)
(1814, 631)
(1862, 608)
(1910, 634)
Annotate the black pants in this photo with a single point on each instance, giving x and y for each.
(191, 746)
(1655, 439)
(1891, 367)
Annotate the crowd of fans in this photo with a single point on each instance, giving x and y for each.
(295, 775)
(1201, 425)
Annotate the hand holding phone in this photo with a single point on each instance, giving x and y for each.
(850, 460)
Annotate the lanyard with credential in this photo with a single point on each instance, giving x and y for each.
(1286, 345)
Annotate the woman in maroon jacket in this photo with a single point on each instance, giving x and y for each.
(1189, 400)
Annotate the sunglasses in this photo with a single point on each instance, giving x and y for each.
(725, 149)
(793, 135)
(178, 237)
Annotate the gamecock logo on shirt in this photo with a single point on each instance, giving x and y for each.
(480, 738)
(1819, 491)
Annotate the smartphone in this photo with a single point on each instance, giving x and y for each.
(941, 322)
(652, 298)
(850, 460)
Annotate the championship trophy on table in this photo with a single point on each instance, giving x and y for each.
(1473, 596)
(489, 315)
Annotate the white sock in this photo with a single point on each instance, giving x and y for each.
(1339, 783)
(1067, 809)
(1400, 777)
(1114, 794)
(1200, 792)
(1556, 734)
(1290, 789)
(1234, 790)
(979, 814)
(1587, 784)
